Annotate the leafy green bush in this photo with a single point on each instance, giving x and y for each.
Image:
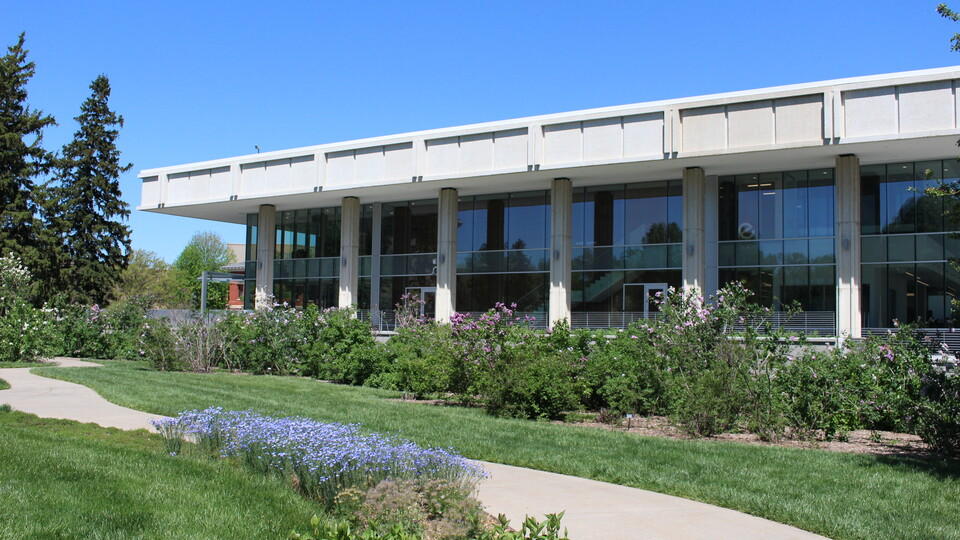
(419, 359)
(512, 367)
(338, 346)
(938, 413)
(626, 374)
(25, 331)
(265, 341)
(92, 332)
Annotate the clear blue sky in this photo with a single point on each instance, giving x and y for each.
(206, 80)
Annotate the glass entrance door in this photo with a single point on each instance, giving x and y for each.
(428, 300)
(642, 297)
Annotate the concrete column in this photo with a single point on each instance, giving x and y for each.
(349, 251)
(266, 246)
(561, 249)
(848, 246)
(447, 209)
(694, 245)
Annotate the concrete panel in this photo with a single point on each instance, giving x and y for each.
(750, 124)
(398, 162)
(178, 188)
(252, 179)
(602, 139)
(643, 135)
(510, 149)
(926, 107)
(476, 152)
(870, 112)
(443, 156)
(341, 169)
(369, 164)
(199, 185)
(221, 183)
(562, 143)
(303, 170)
(799, 119)
(277, 175)
(703, 129)
(150, 191)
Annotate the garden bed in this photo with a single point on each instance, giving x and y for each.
(861, 441)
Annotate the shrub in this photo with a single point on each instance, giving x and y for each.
(511, 367)
(421, 360)
(626, 374)
(338, 346)
(938, 413)
(158, 346)
(25, 331)
(265, 341)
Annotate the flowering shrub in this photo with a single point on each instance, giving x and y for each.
(265, 341)
(323, 459)
(511, 366)
(94, 332)
(24, 330)
(328, 344)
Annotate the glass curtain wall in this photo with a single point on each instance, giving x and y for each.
(503, 245)
(250, 263)
(408, 251)
(305, 268)
(365, 279)
(906, 245)
(626, 242)
(776, 234)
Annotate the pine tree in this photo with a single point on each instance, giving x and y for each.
(22, 159)
(88, 207)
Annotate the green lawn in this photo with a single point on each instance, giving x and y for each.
(837, 495)
(62, 479)
(22, 364)
(4, 384)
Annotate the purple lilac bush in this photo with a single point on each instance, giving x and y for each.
(323, 459)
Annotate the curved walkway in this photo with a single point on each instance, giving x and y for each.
(593, 510)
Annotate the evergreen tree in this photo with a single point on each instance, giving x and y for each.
(22, 158)
(87, 210)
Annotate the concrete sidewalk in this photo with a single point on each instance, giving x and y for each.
(50, 398)
(593, 510)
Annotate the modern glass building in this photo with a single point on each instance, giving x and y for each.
(813, 195)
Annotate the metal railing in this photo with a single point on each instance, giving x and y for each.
(810, 322)
(944, 341)
(608, 319)
(821, 323)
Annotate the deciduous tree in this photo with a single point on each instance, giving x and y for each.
(206, 252)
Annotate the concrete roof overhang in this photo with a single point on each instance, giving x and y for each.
(670, 167)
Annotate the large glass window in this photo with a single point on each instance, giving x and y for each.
(776, 234)
(305, 267)
(503, 245)
(626, 240)
(906, 245)
(408, 247)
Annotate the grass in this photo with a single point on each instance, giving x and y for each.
(22, 364)
(4, 384)
(63, 479)
(834, 494)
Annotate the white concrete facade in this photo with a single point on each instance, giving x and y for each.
(839, 124)
(349, 251)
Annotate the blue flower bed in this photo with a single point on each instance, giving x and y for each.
(320, 459)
